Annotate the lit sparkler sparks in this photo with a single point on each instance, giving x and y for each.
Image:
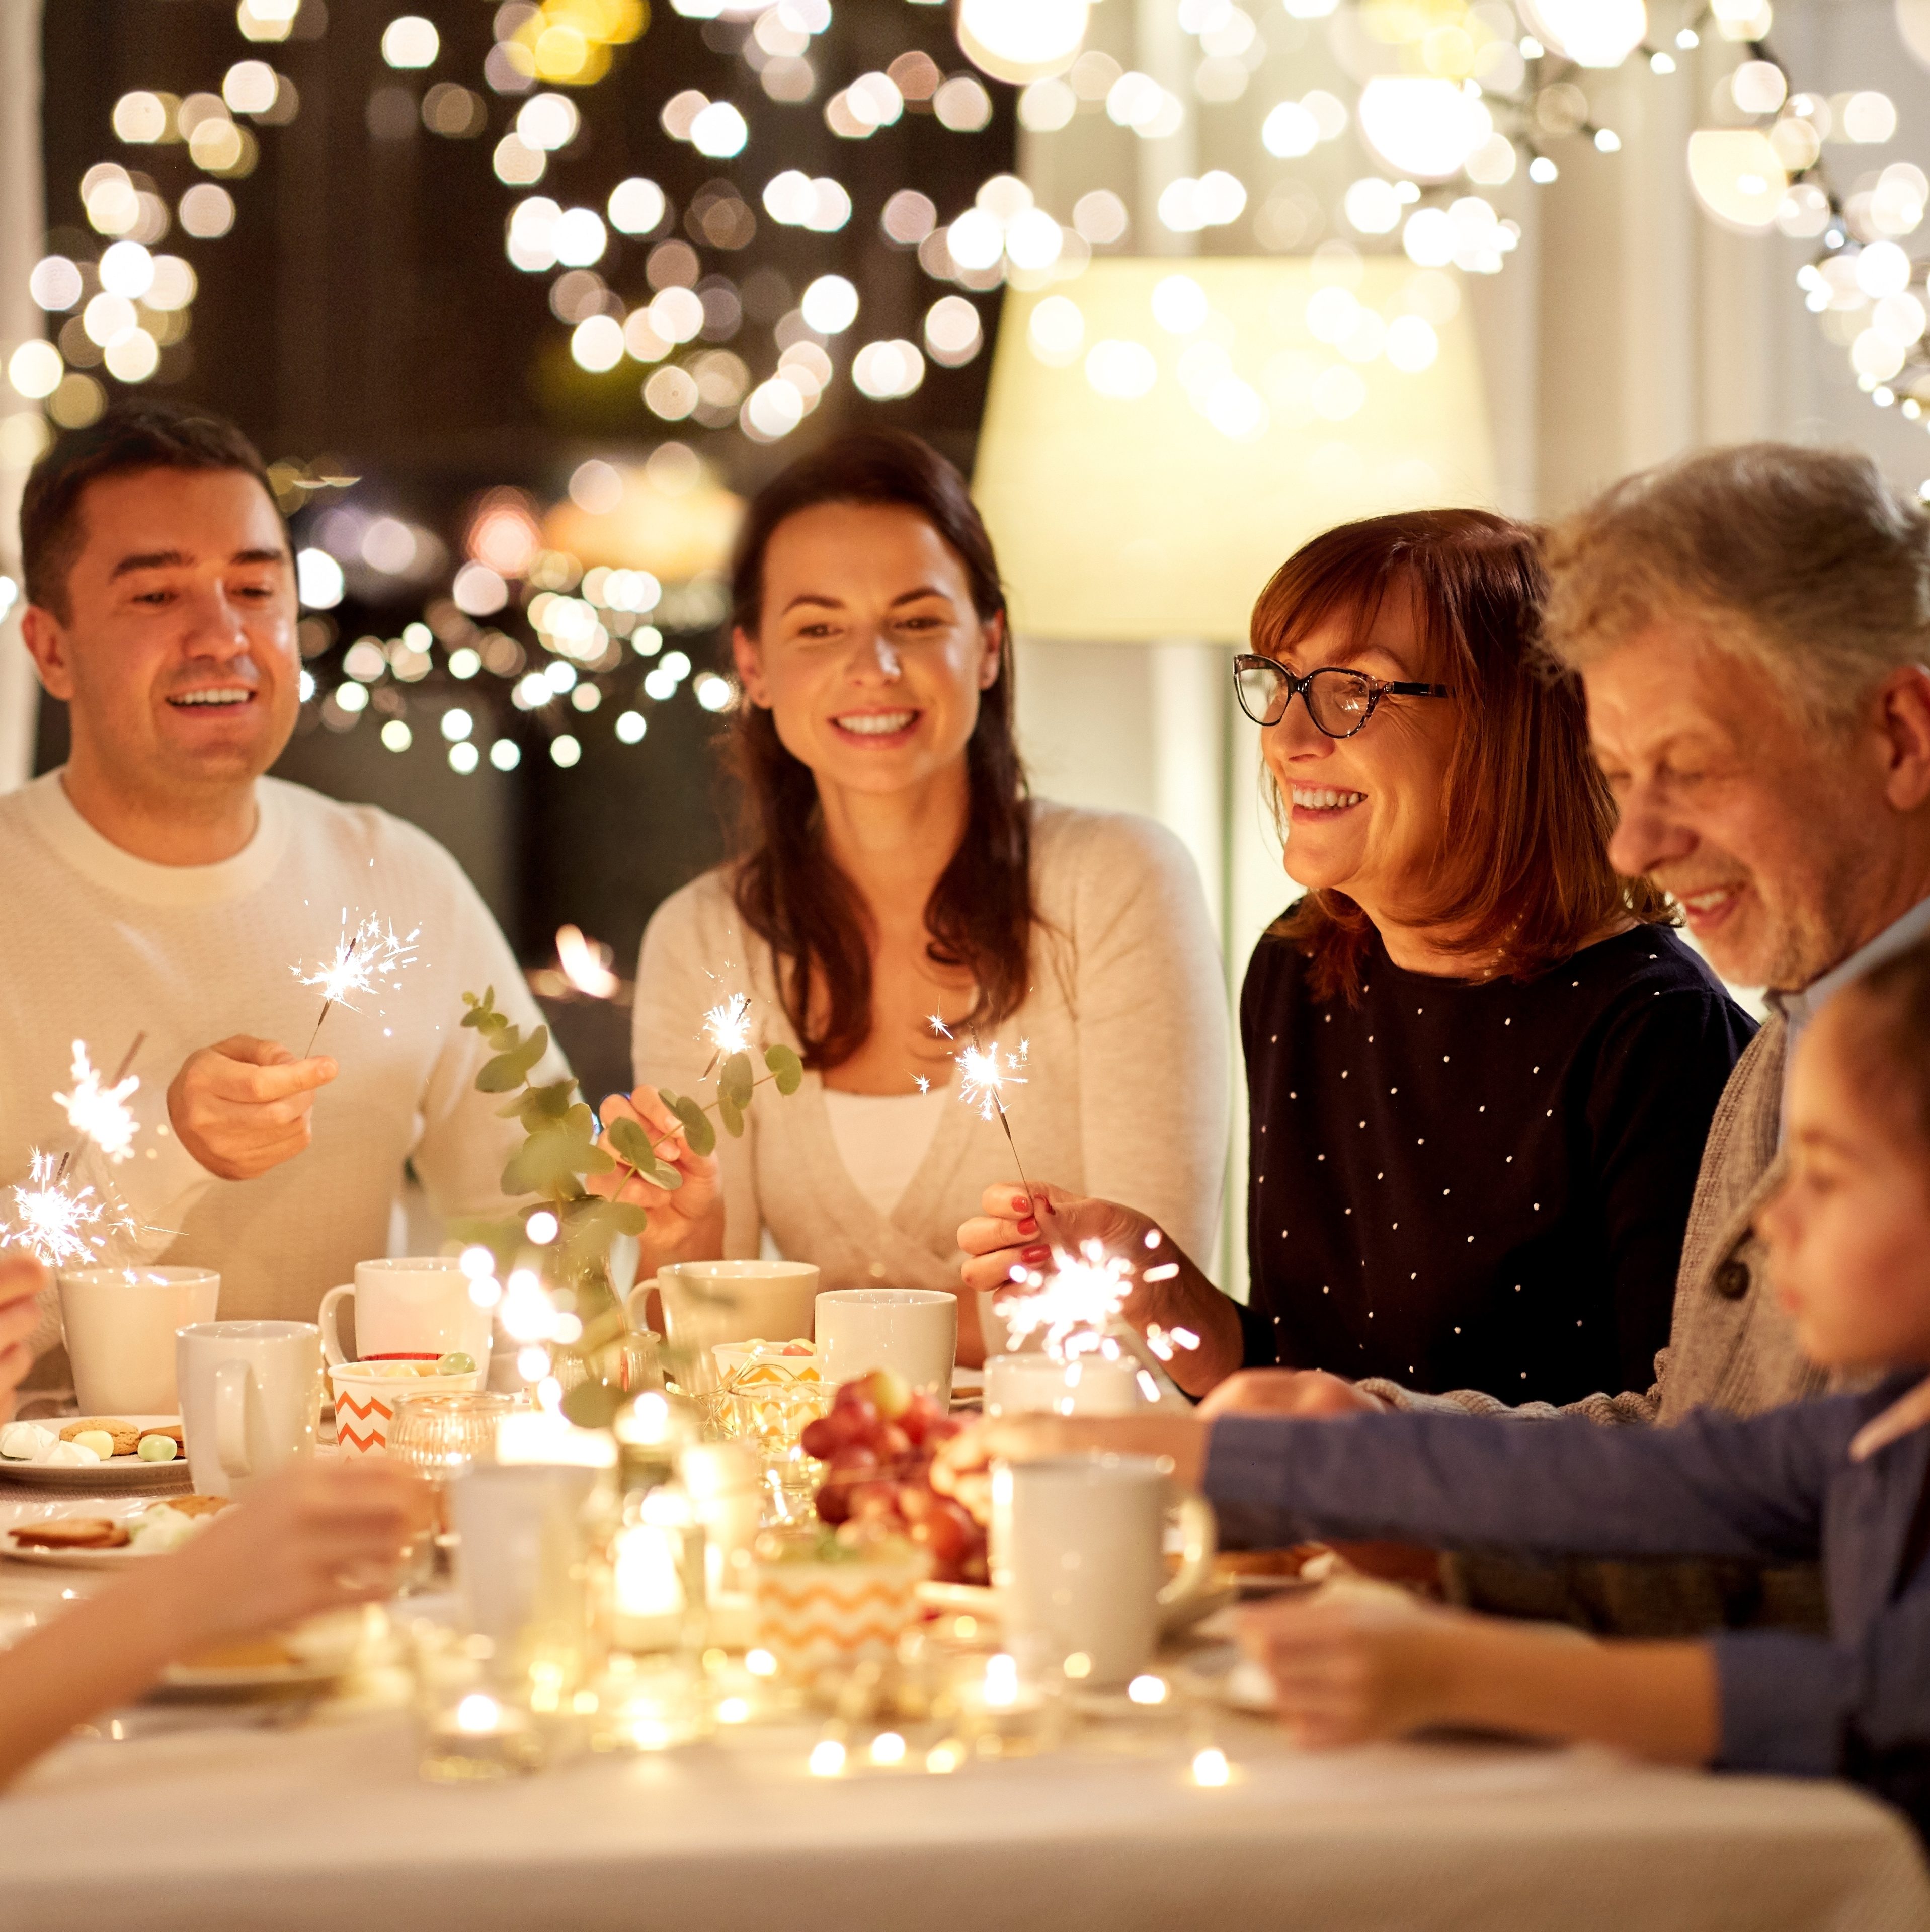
(363, 962)
(98, 1111)
(1074, 1305)
(727, 1026)
(59, 1224)
(982, 1082)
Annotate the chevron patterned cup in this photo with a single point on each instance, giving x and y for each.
(820, 1620)
(366, 1398)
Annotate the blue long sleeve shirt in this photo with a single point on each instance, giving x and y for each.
(1778, 1487)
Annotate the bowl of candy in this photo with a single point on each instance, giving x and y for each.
(770, 1392)
(827, 1600)
(367, 1395)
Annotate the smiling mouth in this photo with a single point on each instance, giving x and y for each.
(1709, 906)
(222, 697)
(1324, 801)
(876, 724)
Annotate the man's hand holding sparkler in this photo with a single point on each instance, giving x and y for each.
(1013, 1247)
(22, 1278)
(243, 1105)
(685, 1222)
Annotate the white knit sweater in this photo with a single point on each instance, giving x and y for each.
(98, 945)
(1126, 1083)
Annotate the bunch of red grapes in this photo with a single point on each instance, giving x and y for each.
(877, 1445)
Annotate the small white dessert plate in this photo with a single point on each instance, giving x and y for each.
(118, 1557)
(117, 1472)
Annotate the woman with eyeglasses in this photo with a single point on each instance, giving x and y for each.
(892, 869)
(1481, 1066)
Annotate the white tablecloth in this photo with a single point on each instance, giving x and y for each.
(329, 1827)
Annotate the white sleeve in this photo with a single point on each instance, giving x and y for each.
(1150, 1011)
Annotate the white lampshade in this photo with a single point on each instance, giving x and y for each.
(1145, 490)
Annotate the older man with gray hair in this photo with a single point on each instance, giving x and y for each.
(1752, 627)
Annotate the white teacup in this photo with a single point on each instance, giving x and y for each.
(913, 1331)
(413, 1309)
(120, 1324)
(251, 1398)
(1039, 1385)
(705, 1303)
(1077, 1559)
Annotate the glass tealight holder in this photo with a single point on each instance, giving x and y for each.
(477, 1727)
(771, 1393)
(437, 1437)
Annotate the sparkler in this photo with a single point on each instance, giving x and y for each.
(982, 1082)
(1074, 1305)
(363, 961)
(55, 1222)
(98, 1111)
(727, 1026)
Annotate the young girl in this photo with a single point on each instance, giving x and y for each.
(1843, 1478)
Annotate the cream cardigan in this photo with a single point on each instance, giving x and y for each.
(1126, 1092)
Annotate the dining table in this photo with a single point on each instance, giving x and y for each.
(312, 1813)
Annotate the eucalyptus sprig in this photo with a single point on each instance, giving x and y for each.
(559, 1152)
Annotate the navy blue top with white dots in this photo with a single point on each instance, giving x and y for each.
(1479, 1186)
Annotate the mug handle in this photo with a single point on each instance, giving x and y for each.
(1199, 1544)
(331, 1346)
(231, 1417)
(644, 1320)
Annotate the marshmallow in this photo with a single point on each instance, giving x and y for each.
(70, 1455)
(25, 1442)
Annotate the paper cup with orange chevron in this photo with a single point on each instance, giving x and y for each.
(819, 1618)
(367, 1393)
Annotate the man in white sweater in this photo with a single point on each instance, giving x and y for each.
(159, 885)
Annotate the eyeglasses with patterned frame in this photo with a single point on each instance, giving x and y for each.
(1338, 701)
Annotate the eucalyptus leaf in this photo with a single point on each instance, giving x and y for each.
(732, 1117)
(785, 1065)
(735, 1081)
(481, 1010)
(550, 1160)
(541, 1105)
(510, 1068)
(632, 1144)
(696, 1128)
(669, 1178)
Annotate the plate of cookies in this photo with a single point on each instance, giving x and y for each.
(96, 1452)
(79, 1540)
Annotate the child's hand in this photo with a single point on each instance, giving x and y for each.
(1348, 1669)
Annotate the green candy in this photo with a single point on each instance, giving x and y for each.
(458, 1363)
(156, 1449)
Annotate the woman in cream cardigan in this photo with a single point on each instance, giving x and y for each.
(891, 868)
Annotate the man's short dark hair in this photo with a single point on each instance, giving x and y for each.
(131, 436)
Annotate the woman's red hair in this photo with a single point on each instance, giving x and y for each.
(1522, 880)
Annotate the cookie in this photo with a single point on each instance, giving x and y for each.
(198, 1505)
(72, 1532)
(172, 1431)
(126, 1437)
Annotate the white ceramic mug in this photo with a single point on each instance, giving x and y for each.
(119, 1325)
(251, 1398)
(914, 1331)
(705, 1303)
(1077, 1553)
(413, 1309)
(1039, 1384)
